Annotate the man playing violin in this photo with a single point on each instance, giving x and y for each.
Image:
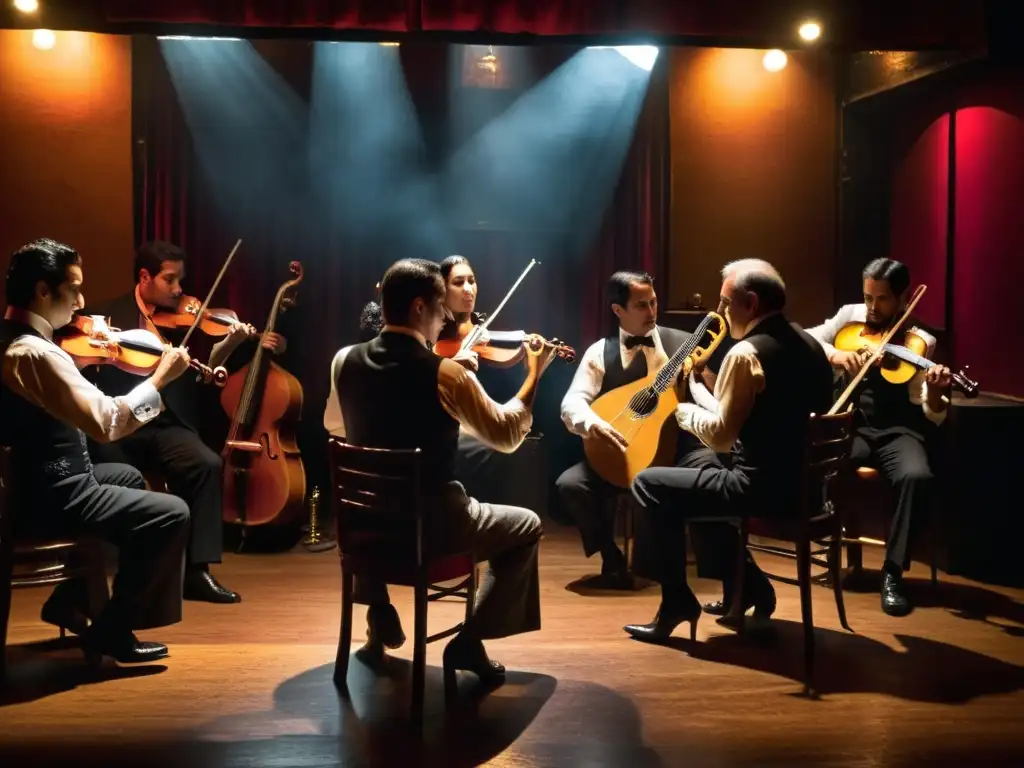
(394, 392)
(639, 347)
(171, 444)
(47, 409)
(894, 420)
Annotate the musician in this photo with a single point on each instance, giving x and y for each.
(894, 421)
(641, 346)
(769, 383)
(393, 392)
(476, 465)
(170, 443)
(46, 410)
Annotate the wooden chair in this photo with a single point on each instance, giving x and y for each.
(863, 490)
(817, 524)
(35, 562)
(379, 512)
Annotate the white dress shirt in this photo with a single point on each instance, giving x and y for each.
(502, 427)
(826, 333)
(577, 414)
(46, 376)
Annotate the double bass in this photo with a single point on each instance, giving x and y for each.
(264, 479)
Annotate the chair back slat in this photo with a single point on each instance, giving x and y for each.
(827, 449)
(377, 500)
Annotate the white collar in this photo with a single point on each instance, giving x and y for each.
(29, 318)
(623, 335)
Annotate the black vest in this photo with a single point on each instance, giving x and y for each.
(798, 382)
(885, 407)
(387, 388)
(616, 376)
(45, 450)
(180, 397)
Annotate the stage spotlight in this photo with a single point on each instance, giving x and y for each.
(44, 39)
(642, 56)
(391, 45)
(26, 6)
(774, 60)
(810, 31)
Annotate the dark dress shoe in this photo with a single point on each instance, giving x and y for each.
(894, 597)
(761, 599)
(670, 615)
(383, 630)
(200, 585)
(65, 618)
(471, 656)
(123, 647)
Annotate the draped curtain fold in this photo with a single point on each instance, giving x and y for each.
(861, 25)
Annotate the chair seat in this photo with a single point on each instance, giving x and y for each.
(868, 473)
(404, 573)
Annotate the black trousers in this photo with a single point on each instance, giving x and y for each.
(193, 473)
(903, 459)
(584, 495)
(670, 498)
(477, 466)
(149, 529)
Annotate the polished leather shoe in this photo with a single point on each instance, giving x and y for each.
(762, 600)
(669, 617)
(894, 597)
(200, 585)
(124, 648)
(65, 618)
(471, 656)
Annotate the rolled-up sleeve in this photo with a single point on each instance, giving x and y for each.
(502, 427)
(739, 382)
(49, 379)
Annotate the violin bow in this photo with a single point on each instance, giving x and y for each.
(473, 336)
(878, 352)
(206, 303)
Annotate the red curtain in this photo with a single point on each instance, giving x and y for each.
(861, 25)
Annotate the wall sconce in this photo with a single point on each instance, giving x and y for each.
(482, 68)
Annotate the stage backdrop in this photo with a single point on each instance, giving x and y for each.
(564, 296)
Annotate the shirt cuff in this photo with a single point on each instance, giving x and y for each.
(145, 402)
(936, 417)
(684, 415)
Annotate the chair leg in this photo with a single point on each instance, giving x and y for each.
(5, 617)
(345, 635)
(835, 567)
(471, 592)
(419, 653)
(736, 616)
(804, 577)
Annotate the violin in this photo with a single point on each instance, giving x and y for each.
(90, 341)
(474, 334)
(491, 349)
(899, 363)
(212, 322)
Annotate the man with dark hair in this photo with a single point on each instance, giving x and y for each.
(171, 444)
(393, 392)
(894, 422)
(770, 382)
(640, 347)
(46, 410)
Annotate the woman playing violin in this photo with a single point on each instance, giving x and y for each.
(460, 302)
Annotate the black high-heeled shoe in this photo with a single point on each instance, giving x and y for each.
(669, 616)
(64, 619)
(469, 656)
(761, 600)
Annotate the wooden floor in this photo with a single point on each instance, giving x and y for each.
(250, 684)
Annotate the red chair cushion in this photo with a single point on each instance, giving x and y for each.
(403, 573)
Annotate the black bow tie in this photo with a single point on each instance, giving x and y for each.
(633, 341)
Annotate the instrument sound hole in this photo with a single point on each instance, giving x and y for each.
(644, 403)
